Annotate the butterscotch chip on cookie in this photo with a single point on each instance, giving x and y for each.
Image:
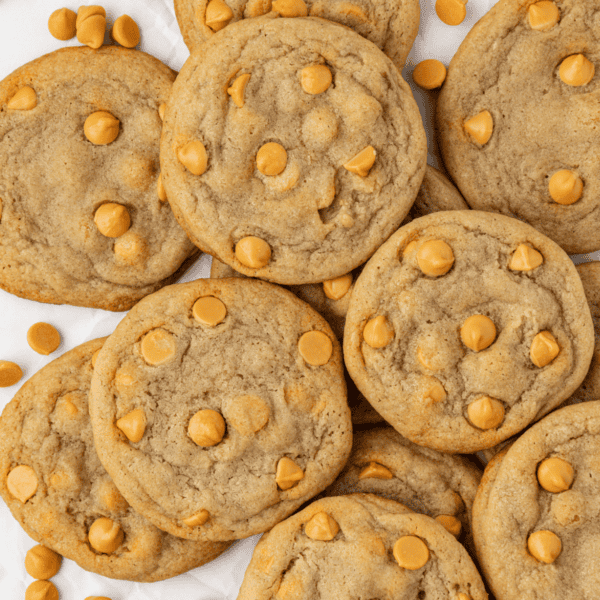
(538, 504)
(477, 349)
(391, 26)
(523, 141)
(315, 169)
(360, 546)
(80, 219)
(244, 417)
(55, 486)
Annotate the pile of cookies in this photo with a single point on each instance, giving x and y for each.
(363, 330)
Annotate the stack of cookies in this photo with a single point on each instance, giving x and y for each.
(362, 331)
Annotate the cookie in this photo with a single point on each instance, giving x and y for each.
(391, 26)
(360, 546)
(291, 149)
(219, 407)
(53, 482)
(536, 512)
(522, 140)
(80, 219)
(465, 327)
(439, 485)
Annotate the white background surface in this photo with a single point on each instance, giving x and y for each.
(24, 36)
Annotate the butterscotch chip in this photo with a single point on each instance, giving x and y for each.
(41, 590)
(480, 127)
(248, 414)
(525, 258)
(206, 428)
(290, 8)
(105, 535)
(101, 128)
(576, 70)
(10, 373)
(435, 392)
(253, 252)
(321, 527)
(451, 12)
(112, 220)
(565, 187)
(24, 99)
(478, 332)
(161, 111)
(337, 288)
(91, 25)
(544, 349)
(486, 412)
(133, 425)
(198, 519)
(95, 358)
(110, 497)
(126, 32)
(555, 475)
(61, 24)
(193, 157)
(288, 473)
(376, 471)
(42, 563)
(85, 12)
(315, 347)
(429, 74)
(362, 163)
(315, 79)
(22, 483)
(450, 523)
(131, 248)
(378, 332)
(209, 311)
(271, 159)
(218, 14)
(543, 15)
(435, 258)
(44, 339)
(411, 552)
(544, 545)
(158, 347)
(238, 89)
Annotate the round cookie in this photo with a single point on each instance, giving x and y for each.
(465, 327)
(360, 546)
(391, 26)
(514, 138)
(219, 407)
(63, 490)
(439, 485)
(291, 149)
(535, 517)
(81, 221)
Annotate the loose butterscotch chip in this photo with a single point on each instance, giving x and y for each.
(133, 425)
(91, 25)
(217, 15)
(112, 219)
(126, 32)
(576, 70)
(101, 128)
(565, 187)
(41, 590)
(321, 527)
(450, 524)
(480, 127)
(24, 99)
(315, 347)
(290, 8)
(161, 111)
(525, 258)
(209, 311)
(315, 79)
(44, 339)
(451, 12)
(105, 535)
(85, 12)
(375, 471)
(337, 288)
(435, 392)
(288, 473)
(544, 545)
(411, 552)
(10, 373)
(361, 164)
(555, 475)
(543, 15)
(130, 248)
(206, 428)
(61, 24)
(22, 483)
(42, 563)
(544, 349)
(271, 159)
(193, 157)
(486, 413)
(253, 252)
(197, 519)
(158, 346)
(429, 74)
(435, 258)
(238, 89)
(378, 332)
(478, 332)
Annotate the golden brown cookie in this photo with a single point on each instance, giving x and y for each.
(56, 488)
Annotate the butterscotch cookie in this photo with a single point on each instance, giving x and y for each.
(219, 407)
(54, 484)
(291, 149)
(80, 219)
(360, 546)
(391, 26)
(535, 517)
(429, 482)
(465, 327)
(523, 140)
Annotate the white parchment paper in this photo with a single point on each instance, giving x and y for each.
(24, 36)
